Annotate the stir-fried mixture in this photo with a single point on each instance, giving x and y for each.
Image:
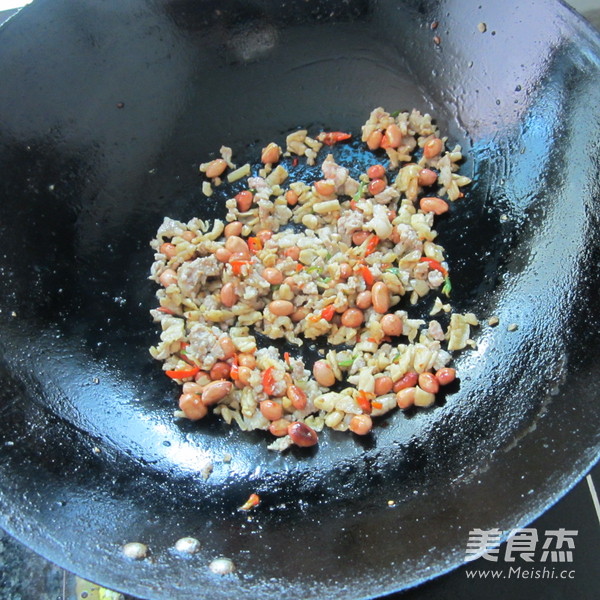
(339, 259)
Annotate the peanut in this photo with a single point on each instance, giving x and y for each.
(215, 391)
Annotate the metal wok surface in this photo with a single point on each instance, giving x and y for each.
(106, 111)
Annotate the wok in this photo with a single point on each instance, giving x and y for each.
(106, 111)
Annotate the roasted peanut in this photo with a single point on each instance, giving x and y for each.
(432, 148)
(215, 168)
(434, 205)
(215, 391)
(191, 404)
(228, 295)
(246, 360)
(445, 375)
(358, 237)
(323, 373)
(191, 387)
(244, 201)
(345, 271)
(281, 308)
(167, 277)
(374, 139)
(244, 374)
(393, 135)
(270, 153)
(169, 250)
(429, 383)
(391, 324)
(427, 177)
(271, 410)
(272, 275)
(236, 245)
(299, 314)
(405, 398)
(353, 317)
(380, 296)
(279, 428)
(360, 424)
(376, 186)
(383, 385)
(363, 300)
(291, 197)
(233, 228)
(302, 435)
(297, 397)
(293, 252)
(220, 370)
(410, 379)
(324, 187)
(223, 255)
(376, 172)
(227, 346)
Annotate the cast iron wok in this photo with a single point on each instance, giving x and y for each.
(107, 109)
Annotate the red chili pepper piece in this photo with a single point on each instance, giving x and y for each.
(237, 265)
(253, 500)
(329, 138)
(376, 404)
(367, 275)
(268, 381)
(234, 373)
(372, 245)
(286, 357)
(364, 401)
(434, 264)
(166, 310)
(328, 312)
(255, 244)
(182, 373)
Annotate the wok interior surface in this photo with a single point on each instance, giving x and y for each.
(108, 109)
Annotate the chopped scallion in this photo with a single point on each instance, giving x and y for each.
(447, 287)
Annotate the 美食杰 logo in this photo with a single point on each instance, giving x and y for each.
(524, 548)
(556, 545)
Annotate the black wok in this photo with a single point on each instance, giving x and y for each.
(106, 109)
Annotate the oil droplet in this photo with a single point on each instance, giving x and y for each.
(187, 545)
(135, 550)
(222, 566)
